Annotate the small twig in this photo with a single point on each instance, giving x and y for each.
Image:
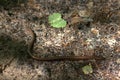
(2, 68)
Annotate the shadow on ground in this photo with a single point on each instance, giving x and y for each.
(10, 48)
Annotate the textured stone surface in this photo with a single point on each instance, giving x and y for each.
(80, 39)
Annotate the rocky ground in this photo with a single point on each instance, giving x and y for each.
(93, 28)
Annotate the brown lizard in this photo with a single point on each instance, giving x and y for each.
(57, 58)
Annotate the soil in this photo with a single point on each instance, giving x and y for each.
(93, 29)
